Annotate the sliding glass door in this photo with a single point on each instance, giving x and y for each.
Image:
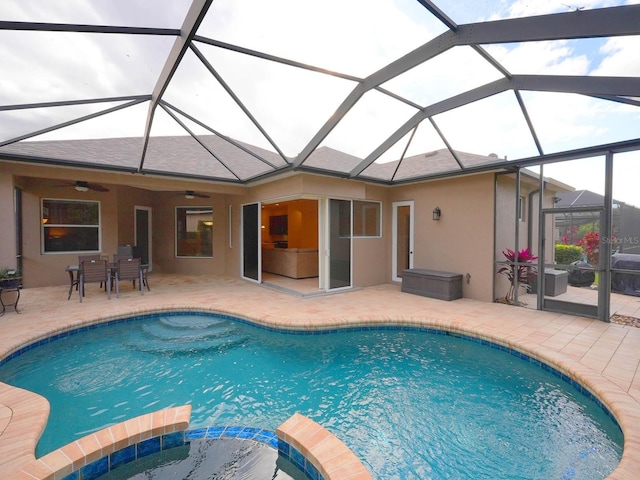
(251, 268)
(339, 233)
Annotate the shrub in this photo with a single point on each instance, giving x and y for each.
(567, 254)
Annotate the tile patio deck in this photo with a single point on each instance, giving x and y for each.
(604, 357)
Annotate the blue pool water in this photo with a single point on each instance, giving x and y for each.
(410, 404)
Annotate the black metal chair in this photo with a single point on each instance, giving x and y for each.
(127, 269)
(94, 271)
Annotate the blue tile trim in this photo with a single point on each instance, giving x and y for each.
(582, 389)
(147, 447)
(95, 469)
(291, 454)
(123, 456)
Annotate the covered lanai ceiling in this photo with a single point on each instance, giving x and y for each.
(387, 90)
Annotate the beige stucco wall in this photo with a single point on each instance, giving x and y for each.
(42, 269)
(164, 219)
(372, 255)
(7, 219)
(462, 240)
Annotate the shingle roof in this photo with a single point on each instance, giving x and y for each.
(222, 159)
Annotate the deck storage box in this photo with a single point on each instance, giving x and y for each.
(432, 283)
(555, 282)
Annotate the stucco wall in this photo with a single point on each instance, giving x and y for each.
(164, 218)
(371, 255)
(7, 219)
(42, 269)
(462, 240)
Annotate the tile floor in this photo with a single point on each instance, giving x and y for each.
(605, 357)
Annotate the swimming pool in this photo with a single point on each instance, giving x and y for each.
(410, 404)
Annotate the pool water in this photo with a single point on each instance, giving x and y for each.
(410, 404)
(206, 459)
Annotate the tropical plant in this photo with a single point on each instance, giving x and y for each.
(590, 244)
(518, 270)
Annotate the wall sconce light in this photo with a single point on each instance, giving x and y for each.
(436, 213)
(189, 195)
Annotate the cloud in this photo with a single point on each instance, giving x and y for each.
(620, 57)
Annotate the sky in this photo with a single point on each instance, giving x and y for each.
(355, 38)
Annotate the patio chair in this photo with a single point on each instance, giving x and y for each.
(127, 269)
(93, 271)
(88, 258)
(122, 254)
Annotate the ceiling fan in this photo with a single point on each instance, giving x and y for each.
(190, 194)
(82, 186)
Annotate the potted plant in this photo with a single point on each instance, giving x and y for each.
(518, 275)
(10, 278)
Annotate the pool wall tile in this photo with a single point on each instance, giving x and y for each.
(171, 440)
(95, 469)
(149, 446)
(297, 459)
(123, 456)
(196, 434)
(215, 432)
(232, 431)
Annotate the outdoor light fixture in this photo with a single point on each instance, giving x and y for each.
(189, 195)
(436, 213)
(81, 187)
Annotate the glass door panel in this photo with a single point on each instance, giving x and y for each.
(251, 242)
(339, 243)
(402, 238)
(572, 262)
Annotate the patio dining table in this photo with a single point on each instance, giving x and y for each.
(74, 275)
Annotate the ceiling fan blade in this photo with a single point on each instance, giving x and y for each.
(97, 187)
(189, 194)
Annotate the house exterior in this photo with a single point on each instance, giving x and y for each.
(363, 233)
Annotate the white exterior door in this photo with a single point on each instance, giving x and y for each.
(402, 255)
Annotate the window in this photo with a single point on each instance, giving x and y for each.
(194, 231)
(70, 226)
(522, 204)
(366, 219)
